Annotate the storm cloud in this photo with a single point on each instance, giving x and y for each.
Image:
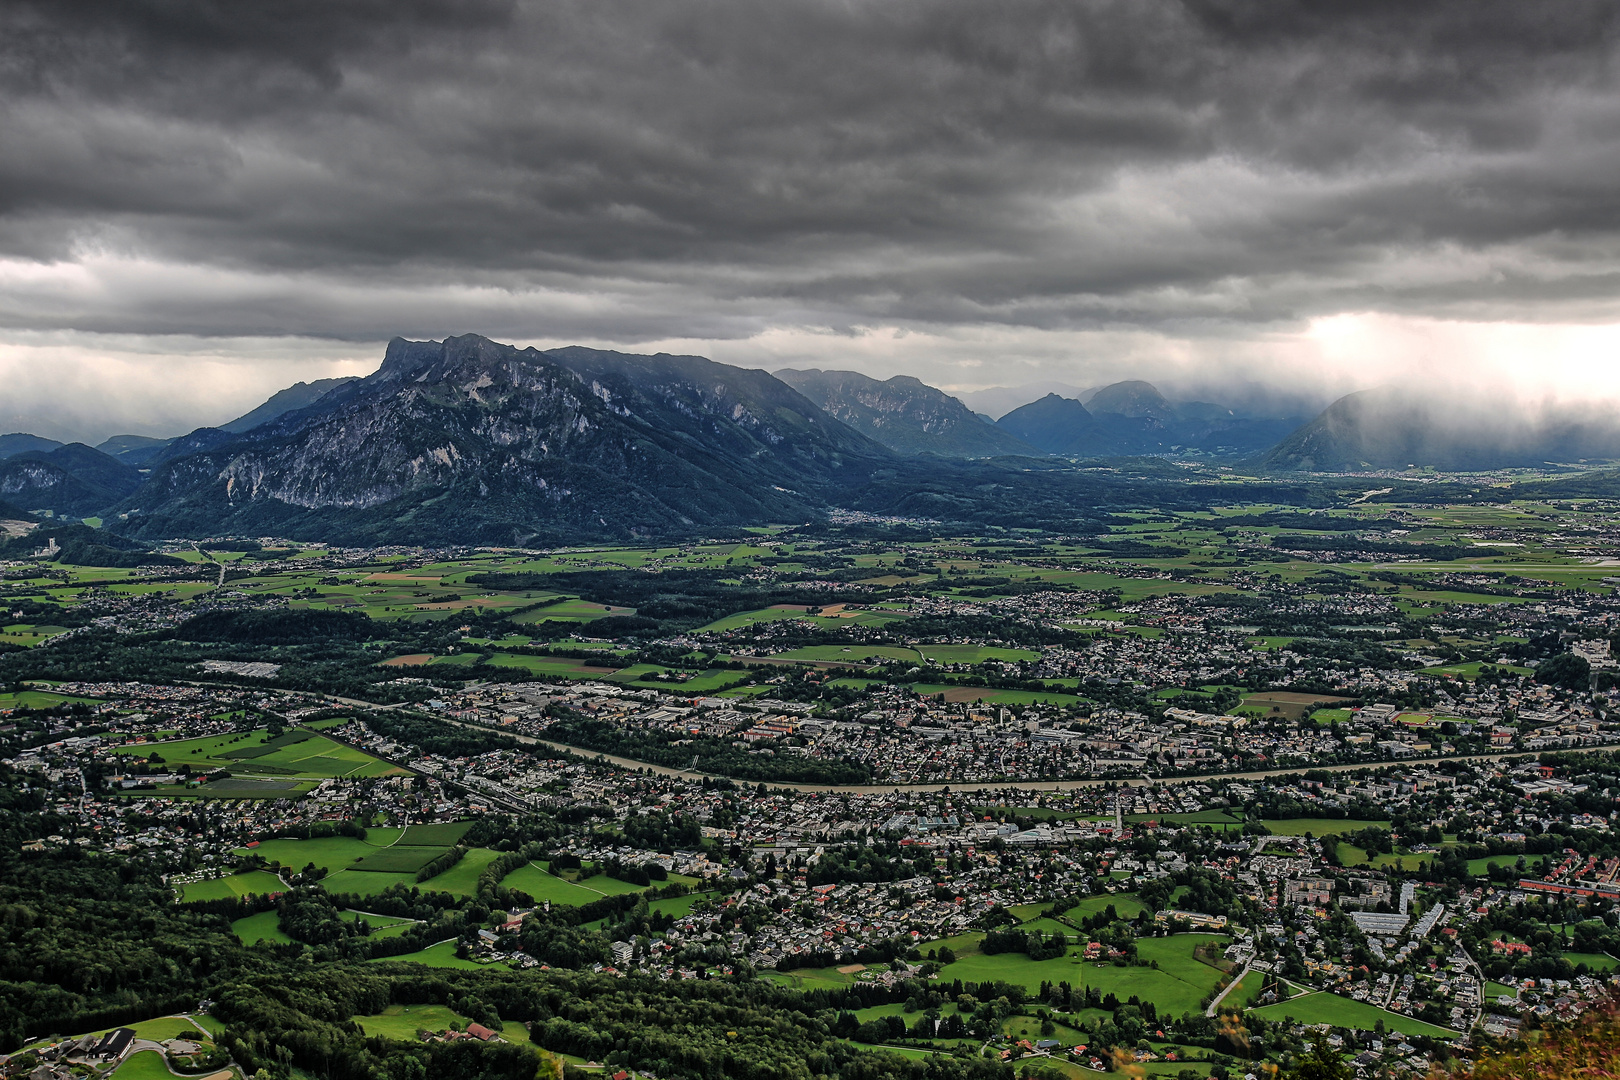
(1080, 183)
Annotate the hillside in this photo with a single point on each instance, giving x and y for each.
(904, 414)
(468, 440)
(297, 396)
(75, 479)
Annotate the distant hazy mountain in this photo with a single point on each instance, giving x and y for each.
(468, 440)
(133, 450)
(296, 396)
(1057, 425)
(1133, 398)
(1392, 428)
(74, 479)
(904, 414)
(1134, 418)
(21, 443)
(998, 401)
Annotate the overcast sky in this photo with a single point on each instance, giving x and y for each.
(203, 202)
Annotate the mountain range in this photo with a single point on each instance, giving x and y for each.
(468, 440)
(1133, 417)
(906, 415)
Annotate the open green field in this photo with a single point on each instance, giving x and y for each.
(442, 955)
(39, 699)
(1324, 1008)
(1177, 984)
(974, 654)
(1217, 818)
(544, 886)
(333, 853)
(255, 882)
(462, 878)
(144, 1065)
(433, 834)
(1483, 865)
(1125, 905)
(854, 654)
(991, 694)
(1594, 961)
(1319, 826)
(364, 883)
(293, 755)
(265, 926)
(560, 667)
(402, 1022)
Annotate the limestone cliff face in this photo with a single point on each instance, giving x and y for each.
(468, 439)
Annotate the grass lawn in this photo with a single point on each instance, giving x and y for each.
(678, 906)
(1479, 867)
(1324, 1008)
(1594, 961)
(144, 1065)
(253, 882)
(265, 926)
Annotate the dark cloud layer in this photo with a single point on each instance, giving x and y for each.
(622, 170)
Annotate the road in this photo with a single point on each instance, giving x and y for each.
(1215, 1005)
(997, 785)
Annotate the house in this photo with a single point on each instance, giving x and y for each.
(480, 1032)
(113, 1045)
